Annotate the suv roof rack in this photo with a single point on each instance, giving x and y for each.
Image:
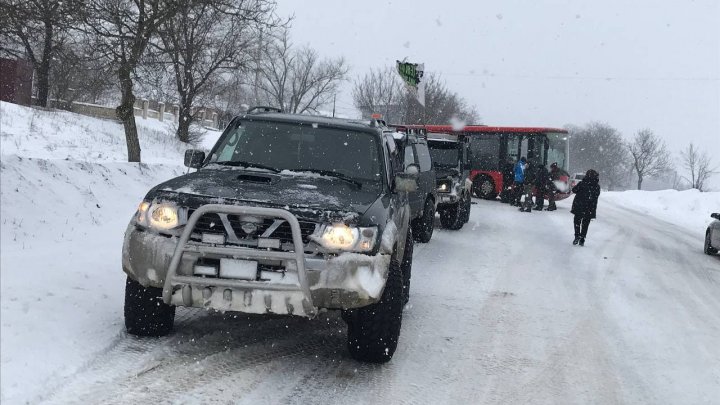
(263, 109)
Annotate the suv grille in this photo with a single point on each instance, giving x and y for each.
(213, 223)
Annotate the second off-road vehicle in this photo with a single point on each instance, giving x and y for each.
(454, 187)
(288, 214)
(413, 147)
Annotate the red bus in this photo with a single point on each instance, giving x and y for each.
(494, 149)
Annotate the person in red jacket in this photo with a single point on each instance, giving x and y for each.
(584, 206)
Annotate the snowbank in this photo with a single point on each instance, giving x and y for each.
(66, 196)
(61, 282)
(47, 134)
(690, 209)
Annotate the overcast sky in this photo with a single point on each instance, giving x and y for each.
(632, 64)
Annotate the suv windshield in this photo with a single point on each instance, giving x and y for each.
(282, 146)
(444, 153)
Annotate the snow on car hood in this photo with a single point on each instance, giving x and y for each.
(279, 190)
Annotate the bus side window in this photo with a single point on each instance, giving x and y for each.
(485, 150)
(513, 146)
(535, 148)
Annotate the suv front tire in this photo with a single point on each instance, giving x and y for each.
(374, 330)
(145, 312)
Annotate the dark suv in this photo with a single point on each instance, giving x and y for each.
(414, 148)
(450, 159)
(289, 214)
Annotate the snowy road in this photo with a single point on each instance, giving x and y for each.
(504, 311)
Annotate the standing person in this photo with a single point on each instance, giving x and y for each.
(585, 204)
(552, 189)
(519, 180)
(508, 178)
(542, 178)
(528, 185)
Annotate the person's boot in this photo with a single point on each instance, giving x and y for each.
(538, 208)
(551, 207)
(582, 241)
(577, 240)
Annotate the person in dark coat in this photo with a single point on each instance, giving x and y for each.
(584, 206)
(542, 178)
(508, 173)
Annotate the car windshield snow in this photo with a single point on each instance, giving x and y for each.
(279, 146)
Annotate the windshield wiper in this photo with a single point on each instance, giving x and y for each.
(331, 173)
(248, 164)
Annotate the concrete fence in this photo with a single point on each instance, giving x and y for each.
(145, 109)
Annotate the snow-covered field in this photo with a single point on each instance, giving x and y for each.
(690, 209)
(503, 311)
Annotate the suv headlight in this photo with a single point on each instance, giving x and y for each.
(344, 238)
(444, 186)
(159, 216)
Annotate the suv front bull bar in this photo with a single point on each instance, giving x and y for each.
(298, 256)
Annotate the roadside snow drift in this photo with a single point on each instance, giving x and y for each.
(690, 209)
(66, 195)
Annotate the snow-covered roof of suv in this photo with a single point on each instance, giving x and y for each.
(353, 125)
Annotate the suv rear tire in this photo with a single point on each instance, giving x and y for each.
(452, 217)
(467, 201)
(422, 228)
(406, 266)
(374, 330)
(145, 312)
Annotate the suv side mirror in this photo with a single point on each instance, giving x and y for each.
(715, 215)
(194, 158)
(407, 182)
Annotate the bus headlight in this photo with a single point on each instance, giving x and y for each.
(344, 238)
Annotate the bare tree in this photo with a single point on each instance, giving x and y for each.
(206, 38)
(36, 29)
(601, 147)
(698, 165)
(441, 105)
(297, 80)
(382, 91)
(121, 30)
(379, 91)
(649, 155)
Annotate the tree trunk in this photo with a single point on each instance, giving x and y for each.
(184, 121)
(43, 68)
(43, 82)
(126, 114)
(640, 180)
